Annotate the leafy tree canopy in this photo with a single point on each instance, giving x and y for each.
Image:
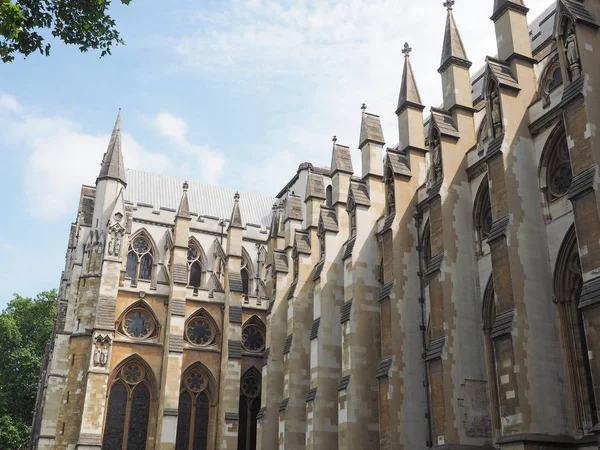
(25, 328)
(84, 23)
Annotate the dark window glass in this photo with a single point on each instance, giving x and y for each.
(243, 424)
(556, 79)
(254, 410)
(253, 338)
(245, 282)
(138, 421)
(201, 422)
(146, 267)
(199, 331)
(132, 262)
(115, 417)
(195, 274)
(328, 196)
(183, 421)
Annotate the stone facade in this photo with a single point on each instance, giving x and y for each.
(447, 296)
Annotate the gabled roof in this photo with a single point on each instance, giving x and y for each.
(579, 12)
(398, 162)
(501, 72)
(328, 219)
(315, 187)
(358, 191)
(453, 50)
(112, 163)
(444, 122)
(302, 242)
(370, 130)
(341, 161)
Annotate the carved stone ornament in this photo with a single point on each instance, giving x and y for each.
(572, 54)
(496, 113)
(101, 349)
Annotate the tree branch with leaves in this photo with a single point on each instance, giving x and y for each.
(25, 26)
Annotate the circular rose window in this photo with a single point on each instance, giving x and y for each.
(251, 387)
(253, 338)
(195, 381)
(132, 373)
(199, 331)
(138, 324)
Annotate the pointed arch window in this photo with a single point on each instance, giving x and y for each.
(253, 335)
(351, 208)
(247, 273)
(555, 173)
(138, 322)
(128, 411)
(200, 329)
(139, 260)
(329, 196)
(196, 268)
(249, 406)
(482, 214)
(193, 411)
(390, 197)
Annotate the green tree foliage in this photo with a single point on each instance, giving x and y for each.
(25, 328)
(25, 26)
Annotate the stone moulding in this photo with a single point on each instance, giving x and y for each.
(582, 182)
(590, 293)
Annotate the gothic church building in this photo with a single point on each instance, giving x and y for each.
(445, 293)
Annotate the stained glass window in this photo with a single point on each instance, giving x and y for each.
(138, 422)
(201, 422)
(146, 267)
(132, 262)
(195, 274)
(199, 331)
(115, 417)
(183, 421)
(138, 324)
(139, 260)
(253, 338)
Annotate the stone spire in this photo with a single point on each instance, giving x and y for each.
(112, 163)
(409, 92)
(236, 216)
(453, 51)
(184, 206)
(502, 5)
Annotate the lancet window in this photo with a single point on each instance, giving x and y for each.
(196, 265)
(482, 214)
(328, 196)
(128, 411)
(139, 259)
(556, 175)
(249, 406)
(193, 411)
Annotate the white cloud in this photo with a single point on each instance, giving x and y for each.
(171, 126)
(61, 156)
(347, 52)
(9, 102)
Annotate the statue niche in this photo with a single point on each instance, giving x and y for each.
(101, 347)
(494, 109)
(571, 53)
(436, 171)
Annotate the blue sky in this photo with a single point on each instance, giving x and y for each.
(234, 92)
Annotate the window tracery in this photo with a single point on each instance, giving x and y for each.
(551, 79)
(128, 410)
(138, 322)
(139, 260)
(200, 329)
(253, 335)
(196, 269)
(556, 175)
(194, 410)
(249, 406)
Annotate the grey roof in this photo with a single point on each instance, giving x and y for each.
(409, 92)
(112, 162)
(302, 242)
(184, 204)
(359, 193)
(236, 215)
(315, 186)
(318, 270)
(328, 219)
(453, 50)
(502, 72)
(345, 313)
(235, 282)
(398, 163)
(204, 199)
(370, 130)
(579, 11)
(445, 122)
(349, 247)
(341, 161)
(314, 329)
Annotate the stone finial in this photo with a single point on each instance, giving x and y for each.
(406, 50)
(185, 186)
(334, 139)
(409, 92)
(453, 49)
(236, 196)
(448, 4)
(363, 107)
